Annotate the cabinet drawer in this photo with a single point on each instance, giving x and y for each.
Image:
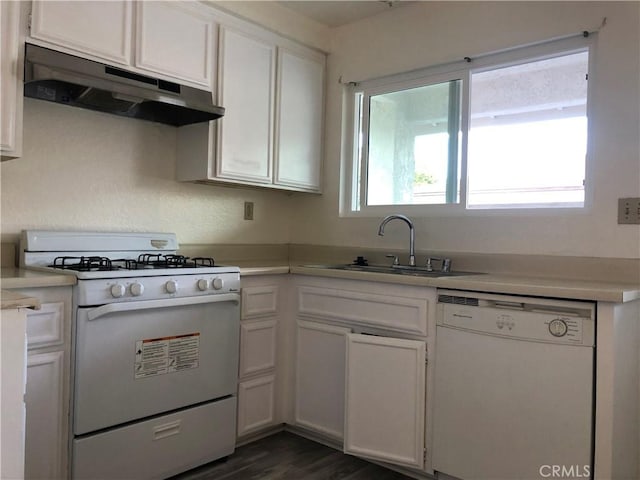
(165, 445)
(256, 404)
(45, 327)
(257, 346)
(259, 301)
(390, 312)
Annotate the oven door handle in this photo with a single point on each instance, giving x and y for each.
(103, 310)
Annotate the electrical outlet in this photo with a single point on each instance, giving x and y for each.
(248, 210)
(629, 211)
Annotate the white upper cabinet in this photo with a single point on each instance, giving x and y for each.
(246, 90)
(172, 40)
(100, 29)
(272, 132)
(175, 40)
(11, 77)
(299, 119)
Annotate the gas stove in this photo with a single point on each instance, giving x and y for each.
(118, 267)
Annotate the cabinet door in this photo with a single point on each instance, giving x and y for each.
(13, 349)
(256, 404)
(46, 423)
(246, 90)
(100, 29)
(257, 346)
(320, 362)
(175, 40)
(385, 399)
(300, 117)
(11, 78)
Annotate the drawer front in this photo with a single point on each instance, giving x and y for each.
(259, 301)
(390, 312)
(160, 447)
(45, 327)
(257, 346)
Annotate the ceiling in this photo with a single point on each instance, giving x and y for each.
(336, 13)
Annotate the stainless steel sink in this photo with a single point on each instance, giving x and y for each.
(395, 270)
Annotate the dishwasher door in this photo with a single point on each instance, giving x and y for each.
(513, 399)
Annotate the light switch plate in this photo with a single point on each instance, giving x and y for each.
(629, 211)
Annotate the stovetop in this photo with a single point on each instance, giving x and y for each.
(145, 261)
(113, 255)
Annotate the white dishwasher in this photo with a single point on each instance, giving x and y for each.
(513, 387)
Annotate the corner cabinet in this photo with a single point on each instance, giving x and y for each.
(362, 372)
(271, 134)
(320, 374)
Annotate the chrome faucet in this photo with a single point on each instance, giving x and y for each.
(412, 235)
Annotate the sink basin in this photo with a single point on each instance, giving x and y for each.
(394, 270)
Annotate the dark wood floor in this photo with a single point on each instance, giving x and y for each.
(285, 456)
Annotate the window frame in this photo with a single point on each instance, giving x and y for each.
(353, 198)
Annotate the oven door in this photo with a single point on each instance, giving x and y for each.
(138, 359)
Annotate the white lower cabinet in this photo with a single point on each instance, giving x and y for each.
(47, 389)
(362, 375)
(256, 400)
(258, 380)
(320, 375)
(46, 421)
(385, 399)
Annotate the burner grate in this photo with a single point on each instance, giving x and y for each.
(84, 264)
(144, 261)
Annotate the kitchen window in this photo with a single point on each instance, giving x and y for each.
(501, 131)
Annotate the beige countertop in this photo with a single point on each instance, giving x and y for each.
(10, 299)
(263, 268)
(497, 283)
(22, 278)
(603, 291)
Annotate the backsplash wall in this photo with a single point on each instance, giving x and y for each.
(87, 170)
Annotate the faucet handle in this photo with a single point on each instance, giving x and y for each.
(395, 259)
(446, 265)
(429, 263)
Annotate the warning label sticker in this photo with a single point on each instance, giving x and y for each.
(157, 356)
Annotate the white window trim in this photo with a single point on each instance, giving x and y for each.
(442, 73)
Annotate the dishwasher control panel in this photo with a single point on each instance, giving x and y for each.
(521, 321)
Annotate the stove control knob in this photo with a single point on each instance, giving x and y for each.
(203, 284)
(217, 283)
(171, 286)
(117, 290)
(136, 289)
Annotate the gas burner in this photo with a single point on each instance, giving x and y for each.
(152, 260)
(84, 264)
(146, 261)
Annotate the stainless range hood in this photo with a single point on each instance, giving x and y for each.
(69, 80)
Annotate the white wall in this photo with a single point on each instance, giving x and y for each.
(430, 33)
(134, 161)
(87, 170)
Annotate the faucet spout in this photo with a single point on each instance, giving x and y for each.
(412, 234)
